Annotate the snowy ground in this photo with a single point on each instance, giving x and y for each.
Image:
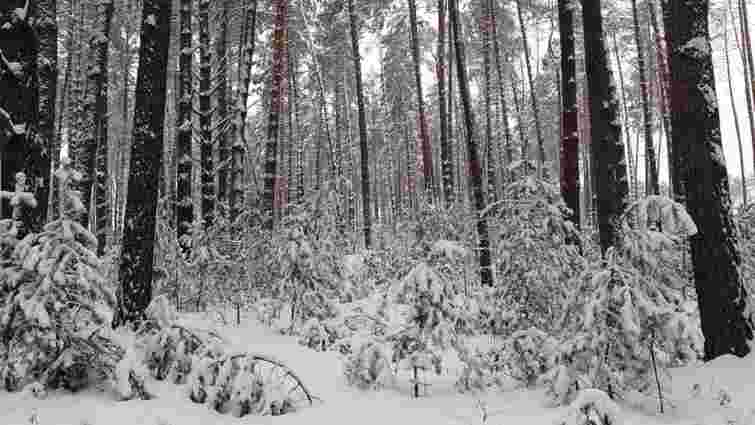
(728, 380)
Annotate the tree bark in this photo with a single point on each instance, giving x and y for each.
(721, 294)
(146, 158)
(184, 206)
(279, 41)
(427, 153)
(47, 74)
(569, 119)
(223, 117)
(241, 143)
(608, 150)
(501, 90)
(486, 273)
(205, 115)
(533, 96)
(651, 172)
(362, 125)
(447, 180)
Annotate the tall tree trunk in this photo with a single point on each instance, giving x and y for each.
(95, 110)
(489, 169)
(625, 118)
(747, 63)
(279, 42)
(223, 117)
(651, 172)
(569, 119)
(721, 294)
(53, 210)
(362, 125)
(734, 110)
(47, 32)
(22, 151)
(663, 83)
(147, 149)
(205, 115)
(520, 124)
(101, 180)
(241, 144)
(533, 96)
(486, 273)
(608, 152)
(447, 180)
(501, 90)
(427, 153)
(185, 207)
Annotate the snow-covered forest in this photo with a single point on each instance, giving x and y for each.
(377, 211)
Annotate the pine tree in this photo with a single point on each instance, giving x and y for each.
(607, 150)
(184, 205)
(721, 294)
(569, 119)
(46, 27)
(146, 158)
(486, 274)
(363, 148)
(279, 41)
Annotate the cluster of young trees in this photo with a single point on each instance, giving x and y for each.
(293, 74)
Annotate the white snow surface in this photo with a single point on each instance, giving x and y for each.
(696, 398)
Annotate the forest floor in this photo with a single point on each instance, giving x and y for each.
(721, 392)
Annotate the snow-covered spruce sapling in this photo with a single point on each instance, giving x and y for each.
(533, 258)
(592, 407)
(54, 302)
(625, 326)
(436, 315)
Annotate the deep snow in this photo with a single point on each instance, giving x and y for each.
(697, 397)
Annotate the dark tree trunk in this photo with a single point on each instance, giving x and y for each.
(101, 176)
(95, 112)
(486, 273)
(625, 118)
(223, 118)
(489, 168)
(146, 158)
(533, 96)
(240, 144)
(569, 119)
(362, 126)
(721, 294)
(47, 31)
(608, 150)
(19, 92)
(447, 180)
(280, 8)
(501, 90)
(651, 172)
(663, 84)
(184, 205)
(205, 115)
(427, 153)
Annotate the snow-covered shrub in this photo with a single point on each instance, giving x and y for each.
(242, 384)
(528, 354)
(54, 302)
(592, 407)
(625, 325)
(533, 260)
(369, 366)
